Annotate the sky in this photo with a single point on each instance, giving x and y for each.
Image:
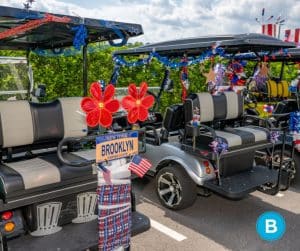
(173, 19)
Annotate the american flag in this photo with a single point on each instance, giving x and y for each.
(139, 165)
(292, 35)
(269, 29)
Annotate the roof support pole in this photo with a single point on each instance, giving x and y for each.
(84, 69)
(281, 70)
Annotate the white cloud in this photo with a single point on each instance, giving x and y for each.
(171, 19)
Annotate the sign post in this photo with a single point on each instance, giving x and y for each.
(114, 195)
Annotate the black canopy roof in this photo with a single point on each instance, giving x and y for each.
(292, 54)
(194, 46)
(57, 34)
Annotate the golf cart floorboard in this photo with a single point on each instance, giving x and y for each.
(73, 236)
(240, 185)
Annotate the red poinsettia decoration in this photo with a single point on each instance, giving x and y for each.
(137, 103)
(100, 107)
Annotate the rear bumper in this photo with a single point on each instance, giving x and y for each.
(73, 236)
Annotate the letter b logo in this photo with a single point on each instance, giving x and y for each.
(270, 226)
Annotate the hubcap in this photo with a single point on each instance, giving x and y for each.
(169, 189)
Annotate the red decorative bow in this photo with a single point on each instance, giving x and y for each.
(137, 103)
(100, 106)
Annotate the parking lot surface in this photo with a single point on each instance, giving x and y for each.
(215, 223)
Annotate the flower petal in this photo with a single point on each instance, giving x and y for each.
(109, 92)
(96, 91)
(133, 115)
(105, 119)
(112, 105)
(147, 101)
(143, 113)
(92, 118)
(128, 102)
(87, 104)
(132, 90)
(143, 89)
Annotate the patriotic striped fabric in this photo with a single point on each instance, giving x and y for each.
(292, 36)
(269, 29)
(114, 216)
(139, 165)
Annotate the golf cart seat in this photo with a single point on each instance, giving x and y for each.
(237, 173)
(224, 107)
(27, 126)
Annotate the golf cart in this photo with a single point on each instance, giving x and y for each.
(205, 144)
(285, 104)
(48, 190)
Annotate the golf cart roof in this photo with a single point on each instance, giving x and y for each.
(193, 46)
(293, 54)
(56, 32)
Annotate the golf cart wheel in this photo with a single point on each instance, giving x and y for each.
(175, 189)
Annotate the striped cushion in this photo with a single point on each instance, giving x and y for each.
(228, 105)
(241, 136)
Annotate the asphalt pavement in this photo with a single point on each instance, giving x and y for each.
(215, 223)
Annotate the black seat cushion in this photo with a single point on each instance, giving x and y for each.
(27, 176)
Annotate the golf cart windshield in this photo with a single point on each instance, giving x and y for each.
(14, 78)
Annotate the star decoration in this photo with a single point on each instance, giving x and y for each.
(210, 76)
(264, 70)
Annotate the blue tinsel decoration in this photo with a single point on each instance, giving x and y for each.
(115, 75)
(117, 31)
(80, 36)
(294, 122)
(167, 62)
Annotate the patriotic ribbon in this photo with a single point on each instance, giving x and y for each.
(30, 25)
(219, 146)
(184, 79)
(274, 136)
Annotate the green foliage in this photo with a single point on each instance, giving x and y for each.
(63, 75)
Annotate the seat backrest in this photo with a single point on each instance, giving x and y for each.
(73, 120)
(26, 123)
(174, 120)
(16, 124)
(227, 105)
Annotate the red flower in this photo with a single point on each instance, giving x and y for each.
(137, 103)
(100, 106)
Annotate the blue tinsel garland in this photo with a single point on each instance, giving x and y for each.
(167, 62)
(294, 122)
(80, 36)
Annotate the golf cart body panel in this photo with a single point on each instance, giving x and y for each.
(166, 153)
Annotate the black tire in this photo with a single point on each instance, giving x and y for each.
(184, 188)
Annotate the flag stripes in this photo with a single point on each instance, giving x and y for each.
(139, 165)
